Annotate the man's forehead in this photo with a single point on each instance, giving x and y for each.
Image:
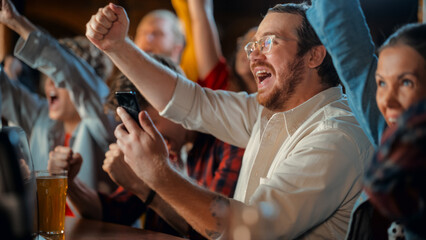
(280, 24)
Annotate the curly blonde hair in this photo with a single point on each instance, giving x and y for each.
(84, 49)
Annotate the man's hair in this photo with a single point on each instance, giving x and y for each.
(307, 39)
(412, 35)
(121, 83)
(177, 29)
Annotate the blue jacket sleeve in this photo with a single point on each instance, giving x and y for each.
(18, 104)
(87, 90)
(341, 27)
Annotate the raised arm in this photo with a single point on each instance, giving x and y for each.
(14, 96)
(15, 21)
(87, 89)
(341, 27)
(206, 37)
(188, 61)
(108, 30)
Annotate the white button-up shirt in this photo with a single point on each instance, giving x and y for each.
(307, 163)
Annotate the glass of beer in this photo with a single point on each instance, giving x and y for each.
(51, 195)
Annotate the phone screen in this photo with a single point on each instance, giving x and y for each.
(128, 101)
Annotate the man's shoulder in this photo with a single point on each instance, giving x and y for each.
(339, 112)
(337, 116)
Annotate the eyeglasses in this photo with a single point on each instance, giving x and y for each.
(264, 45)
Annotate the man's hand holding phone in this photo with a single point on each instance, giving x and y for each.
(128, 101)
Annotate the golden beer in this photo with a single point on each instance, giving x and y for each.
(51, 196)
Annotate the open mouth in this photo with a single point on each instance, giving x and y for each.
(392, 121)
(262, 75)
(53, 98)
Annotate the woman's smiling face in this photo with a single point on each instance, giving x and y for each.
(401, 80)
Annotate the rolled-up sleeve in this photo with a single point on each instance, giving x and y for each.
(228, 116)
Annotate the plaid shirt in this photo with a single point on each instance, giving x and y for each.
(212, 163)
(396, 179)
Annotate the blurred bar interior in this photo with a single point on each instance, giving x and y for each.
(68, 18)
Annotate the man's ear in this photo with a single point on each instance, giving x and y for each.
(316, 56)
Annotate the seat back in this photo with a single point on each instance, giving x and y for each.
(18, 189)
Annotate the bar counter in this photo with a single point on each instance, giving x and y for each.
(85, 229)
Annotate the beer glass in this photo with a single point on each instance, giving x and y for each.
(51, 195)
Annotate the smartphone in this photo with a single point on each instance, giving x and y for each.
(128, 101)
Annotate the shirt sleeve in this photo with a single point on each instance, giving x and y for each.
(218, 77)
(121, 207)
(228, 116)
(87, 90)
(341, 27)
(18, 104)
(188, 60)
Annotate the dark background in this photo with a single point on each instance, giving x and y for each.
(68, 18)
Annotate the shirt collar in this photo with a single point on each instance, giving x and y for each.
(294, 118)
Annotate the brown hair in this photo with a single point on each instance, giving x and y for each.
(307, 39)
(413, 35)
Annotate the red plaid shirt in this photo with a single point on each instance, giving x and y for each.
(213, 163)
(218, 77)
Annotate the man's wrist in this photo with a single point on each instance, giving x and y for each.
(117, 47)
(22, 26)
(160, 177)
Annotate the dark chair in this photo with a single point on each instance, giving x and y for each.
(18, 199)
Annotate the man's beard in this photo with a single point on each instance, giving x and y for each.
(285, 89)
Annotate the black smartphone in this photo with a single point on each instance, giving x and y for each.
(128, 101)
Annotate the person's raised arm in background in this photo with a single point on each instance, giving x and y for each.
(206, 38)
(74, 70)
(188, 61)
(212, 67)
(342, 28)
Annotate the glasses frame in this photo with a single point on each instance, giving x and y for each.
(250, 47)
(259, 44)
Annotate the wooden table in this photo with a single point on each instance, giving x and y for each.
(84, 229)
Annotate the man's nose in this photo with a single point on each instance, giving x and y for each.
(256, 55)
